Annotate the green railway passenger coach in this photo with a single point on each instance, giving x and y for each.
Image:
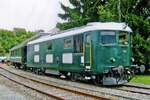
(97, 51)
(18, 55)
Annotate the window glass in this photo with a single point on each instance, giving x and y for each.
(108, 37)
(49, 46)
(67, 43)
(88, 38)
(36, 47)
(36, 58)
(49, 58)
(123, 38)
(78, 43)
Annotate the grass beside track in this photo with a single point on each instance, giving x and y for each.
(142, 79)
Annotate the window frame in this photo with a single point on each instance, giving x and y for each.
(36, 47)
(36, 58)
(80, 39)
(107, 44)
(71, 43)
(48, 44)
(128, 38)
(89, 39)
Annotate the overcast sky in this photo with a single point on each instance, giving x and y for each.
(30, 14)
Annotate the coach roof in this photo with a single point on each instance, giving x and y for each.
(89, 27)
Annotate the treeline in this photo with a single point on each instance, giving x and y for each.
(136, 13)
(8, 39)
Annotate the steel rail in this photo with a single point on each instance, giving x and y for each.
(134, 91)
(137, 86)
(82, 88)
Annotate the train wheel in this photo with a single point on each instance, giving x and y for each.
(31, 69)
(66, 74)
(15, 66)
(19, 67)
(73, 77)
(24, 68)
(43, 71)
(36, 71)
(97, 80)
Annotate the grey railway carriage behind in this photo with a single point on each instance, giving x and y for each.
(98, 51)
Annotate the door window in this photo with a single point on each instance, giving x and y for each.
(78, 43)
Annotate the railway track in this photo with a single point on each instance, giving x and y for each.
(135, 89)
(137, 86)
(51, 90)
(109, 92)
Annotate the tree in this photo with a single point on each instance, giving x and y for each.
(8, 39)
(134, 12)
(141, 48)
(82, 12)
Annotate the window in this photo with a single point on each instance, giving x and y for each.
(67, 43)
(67, 58)
(78, 43)
(36, 47)
(49, 46)
(108, 37)
(123, 38)
(36, 58)
(88, 38)
(49, 58)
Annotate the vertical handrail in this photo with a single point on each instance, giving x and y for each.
(91, 60)
(83, 54)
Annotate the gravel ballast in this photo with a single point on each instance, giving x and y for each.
(109, 92)
(12, 91)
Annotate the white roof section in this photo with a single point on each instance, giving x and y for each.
(26, 41)
(89, 27)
